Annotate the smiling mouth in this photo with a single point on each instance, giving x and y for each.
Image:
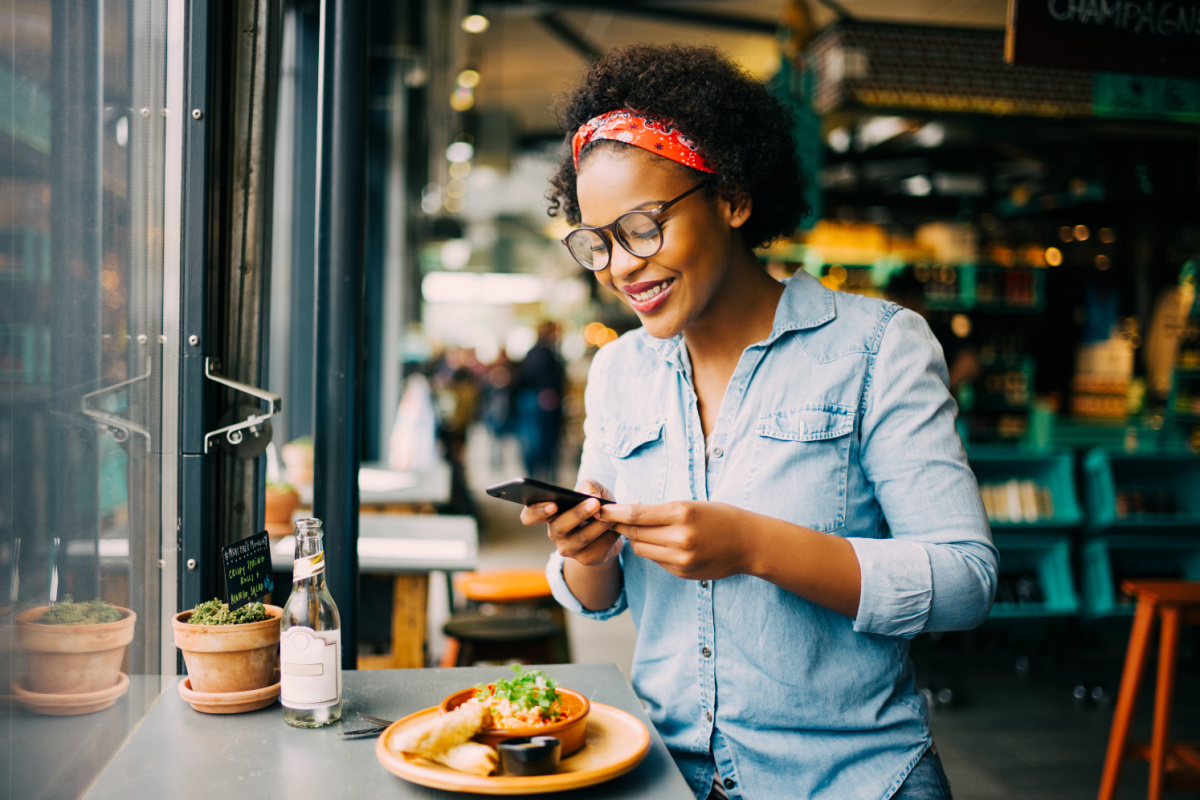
(646, 294)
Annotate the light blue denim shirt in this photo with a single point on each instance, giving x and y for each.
(840, 421)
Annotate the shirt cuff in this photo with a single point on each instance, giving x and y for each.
(896, 592)
(558, 587)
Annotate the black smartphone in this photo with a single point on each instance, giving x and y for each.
(529, 491)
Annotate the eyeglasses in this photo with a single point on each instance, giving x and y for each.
(636, 231)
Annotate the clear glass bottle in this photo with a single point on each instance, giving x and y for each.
(310, 646)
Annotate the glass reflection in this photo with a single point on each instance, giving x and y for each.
(81, 276)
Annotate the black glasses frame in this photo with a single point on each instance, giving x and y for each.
(614, 232)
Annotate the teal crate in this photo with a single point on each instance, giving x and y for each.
(1107, 560)
(1168, 474)
(1046, 556)
(1054, 470)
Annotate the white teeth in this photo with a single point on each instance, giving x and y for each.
(642, 297)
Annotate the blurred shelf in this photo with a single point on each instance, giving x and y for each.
(1010, 466)
(1106, 560)
(1043, 563)
(1168, 480)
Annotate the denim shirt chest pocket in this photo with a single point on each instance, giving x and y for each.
(639, 454)
(811, 442)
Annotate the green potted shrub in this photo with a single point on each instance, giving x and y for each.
(74, 649)
(298, 459)
(231, 654)
(281, 502)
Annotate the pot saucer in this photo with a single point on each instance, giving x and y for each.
(228, 702)
(70, 704)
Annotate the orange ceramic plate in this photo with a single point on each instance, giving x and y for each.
(616, 743)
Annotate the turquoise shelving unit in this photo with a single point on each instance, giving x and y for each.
(1107, 560)
(1168, 484)
(1052, 469)
(1039, 548)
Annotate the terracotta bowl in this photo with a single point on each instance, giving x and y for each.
(571, 727)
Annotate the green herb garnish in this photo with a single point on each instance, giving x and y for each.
(214, 612)
(526, 690)
(68, 612)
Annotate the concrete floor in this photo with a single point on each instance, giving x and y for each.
(1013, 729)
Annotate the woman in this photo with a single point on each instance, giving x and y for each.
(793, 502)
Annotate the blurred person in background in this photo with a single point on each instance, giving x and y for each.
(497, 405)
(538, 396)
(793, 501)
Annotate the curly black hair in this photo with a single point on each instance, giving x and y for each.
(744, 132)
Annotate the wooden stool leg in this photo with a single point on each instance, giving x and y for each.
(1168, 642)
(1131, 679)
(410, 595)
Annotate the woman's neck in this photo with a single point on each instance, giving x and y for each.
(742, 314)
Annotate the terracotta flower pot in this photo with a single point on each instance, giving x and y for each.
(229, 658)
(73, 659)
(298, 459)
(278, 508)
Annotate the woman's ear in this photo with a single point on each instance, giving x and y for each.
(740, 206)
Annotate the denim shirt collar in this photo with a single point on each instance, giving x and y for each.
(806, 303)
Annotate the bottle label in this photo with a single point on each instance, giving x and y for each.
(309, 665)
(308, 566)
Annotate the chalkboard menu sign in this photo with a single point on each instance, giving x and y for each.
(247, 568)
(1143, 37)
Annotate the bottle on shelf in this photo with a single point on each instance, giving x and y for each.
(310, 651)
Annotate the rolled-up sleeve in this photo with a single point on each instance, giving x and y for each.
(595, 466)
(937, 572)
(562, 593)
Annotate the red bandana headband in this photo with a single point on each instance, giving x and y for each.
(659, 136)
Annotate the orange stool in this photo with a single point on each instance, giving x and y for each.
(1172, 765)
(510, 613)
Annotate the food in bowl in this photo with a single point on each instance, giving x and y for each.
(530, 703)
(473, 723)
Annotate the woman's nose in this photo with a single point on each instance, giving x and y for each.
(621, 262)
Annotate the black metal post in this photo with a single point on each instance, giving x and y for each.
(340, 219)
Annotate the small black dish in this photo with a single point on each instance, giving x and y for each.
(529, 755)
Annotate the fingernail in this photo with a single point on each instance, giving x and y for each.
(548, 508)
(591, 505)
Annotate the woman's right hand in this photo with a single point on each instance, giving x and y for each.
(574, 533)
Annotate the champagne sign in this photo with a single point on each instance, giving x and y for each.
(247, 568)
(1141, 37)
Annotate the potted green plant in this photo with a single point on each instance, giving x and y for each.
(298, 459)
(281, 502)
(74, 650)
(228, 651)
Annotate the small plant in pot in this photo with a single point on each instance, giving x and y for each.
(281, 502)
(74, 649)
(298, 459)
(234, 654)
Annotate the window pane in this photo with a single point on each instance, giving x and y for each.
(81, 300)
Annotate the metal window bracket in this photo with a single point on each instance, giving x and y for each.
(254, 424)
(119, 427)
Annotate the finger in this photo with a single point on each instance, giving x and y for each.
(587, 547)
(660, 554)
(537, 514)
(582, 531)
(581, 514)
(591, 487)
(635, 513)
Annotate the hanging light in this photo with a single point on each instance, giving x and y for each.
(475, 23)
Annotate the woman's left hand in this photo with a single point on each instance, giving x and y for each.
(690, 539)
